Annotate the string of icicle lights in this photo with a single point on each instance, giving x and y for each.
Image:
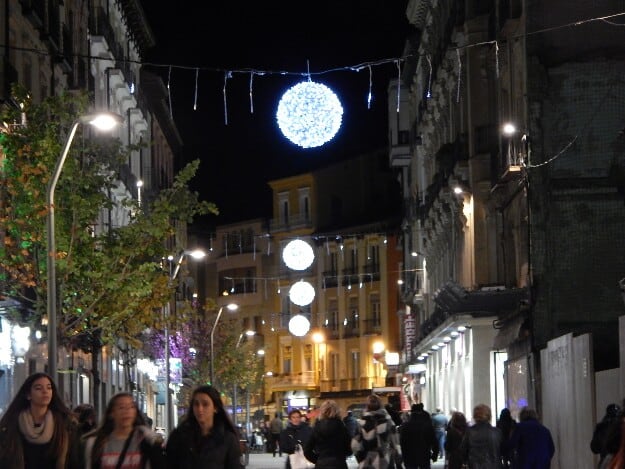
(310, 113)
(234, 242)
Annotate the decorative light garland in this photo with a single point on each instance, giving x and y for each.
(309, 114)
(298, 255)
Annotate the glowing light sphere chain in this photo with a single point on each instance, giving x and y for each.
(309, 114)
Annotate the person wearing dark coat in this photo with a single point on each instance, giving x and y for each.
(453, 440)
(481, 445)
(418, 440)
(330, 442)
(351, 424)
(206, 438)
(531, 442)
(296, 432)
(506, 424)
(600, 442)
(37, 430)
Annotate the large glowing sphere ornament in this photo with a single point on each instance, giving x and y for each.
(298, 255)
(309, 114)
(302, 293)
(299, 325)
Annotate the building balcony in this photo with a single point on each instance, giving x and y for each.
(294, 222)
(372, 327)
(288, 381)
(347, 384)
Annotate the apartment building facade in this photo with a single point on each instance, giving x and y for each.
(52, 47)
(352, 323)
(508, 145)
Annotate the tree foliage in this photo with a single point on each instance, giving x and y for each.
(111, 280)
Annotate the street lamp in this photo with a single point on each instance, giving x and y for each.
(196, 254)
(231, 307)
(248, 333)
(102, 121)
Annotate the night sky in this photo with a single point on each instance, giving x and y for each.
(238, 159)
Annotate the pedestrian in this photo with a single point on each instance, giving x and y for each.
(123, 440)
(296, 432)
(418, 440)
(394, 413)
(456, 429)
(206, 438)
(266, 435)
(377, 443)
(531, 442)
(481, 445)
(506, 425)
(615, 458)
(351, 424)
(86, 418)
(37, 430)
(439, 420)
(275, 428)
(330, 442)
(598, 444)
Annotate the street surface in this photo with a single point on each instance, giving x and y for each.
(267, 461)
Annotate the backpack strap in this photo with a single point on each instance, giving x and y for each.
(122, 455)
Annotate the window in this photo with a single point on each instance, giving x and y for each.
(333, 316)
(352, 314)
(304, 203)
(287, 358)
(308, 357)
(283, 201)
(374, 306)
(333, 263)
(354, 371)
(334, 360)
(373, 257)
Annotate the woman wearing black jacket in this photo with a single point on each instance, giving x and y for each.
(330, 442)
(37, 431)
(207, 438)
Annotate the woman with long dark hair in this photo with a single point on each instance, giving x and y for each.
(455, 433)
(206, 438)
(37, 431)
(123, 441)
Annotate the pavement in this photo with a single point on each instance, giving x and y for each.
(267, 461)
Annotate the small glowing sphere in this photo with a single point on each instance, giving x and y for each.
(302, 293)
(298, 255)
(309, 114)
(299, 325)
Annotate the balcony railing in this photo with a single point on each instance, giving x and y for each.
(372, 327)
(293, 222)
(347, 384)
(305, 378)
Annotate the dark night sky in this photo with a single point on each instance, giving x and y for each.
(239, 159)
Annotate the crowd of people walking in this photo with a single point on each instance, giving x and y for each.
(38, 431)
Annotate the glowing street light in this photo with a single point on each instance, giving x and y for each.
(103, 121)
(231, 307)
(195, 254)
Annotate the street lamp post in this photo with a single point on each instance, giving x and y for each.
(248, 333)
(196, 254)
(231, 307)
(102, 121)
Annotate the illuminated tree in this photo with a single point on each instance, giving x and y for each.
(111, 284)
